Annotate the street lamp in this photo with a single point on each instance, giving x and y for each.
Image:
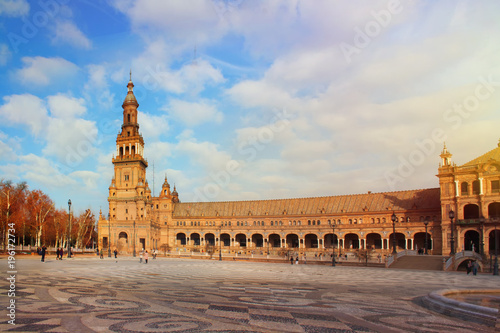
(426, 222)
(69, 228)
(133, 241)
(109, 236)
(333, 245)
(452, 239)
(394, 219)
(495, 265)
(220, 244)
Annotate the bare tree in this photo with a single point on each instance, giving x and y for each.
(39, 206)
(11, 201)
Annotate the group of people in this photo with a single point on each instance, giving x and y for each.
(472, 266)
(42, 251)
(101, 253)
(59, 253)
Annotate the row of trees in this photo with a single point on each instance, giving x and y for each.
(38, 222)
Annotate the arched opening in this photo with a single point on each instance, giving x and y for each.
(257, 240)
(210, 239)
(475, 187)
(241, 239)
(311, 241)
(419, 241)
(274, 240)
(121, 151)
(292, 241)
(373, 241)
(491, 238)
(195, 238)
(225, 239)
(471, 211)
(400, 241)
(471, 241)
(351, 241)
(123, 235)
(181, 238)
(128, 118)
(494, 210)
(331, 240)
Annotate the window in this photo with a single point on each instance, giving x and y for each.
(495, 186)
(464, 188)
(126, 210)
(309, 222)
(319, 222)
(126, 177)
(475, 187)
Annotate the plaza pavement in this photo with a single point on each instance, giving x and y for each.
(184, 295)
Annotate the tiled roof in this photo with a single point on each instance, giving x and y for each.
(357, 203)
(492, 154)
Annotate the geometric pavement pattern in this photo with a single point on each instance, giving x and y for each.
(88, 294)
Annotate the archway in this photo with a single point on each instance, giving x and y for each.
(373, 241)
(471, 241)
(225, 239)
(400, 241)
(195, 238)
(351, 241)
(210, 239)
(311, 241)
(274, 240)
(331, 240)
(419, 241)
(491, 238)
(257, 240)
(241, 239)
(292, 241)
(471, 211)
(181, 238)
(494, 210)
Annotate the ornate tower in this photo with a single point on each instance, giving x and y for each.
(129, 195)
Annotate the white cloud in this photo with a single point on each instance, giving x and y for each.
(14, 8)
(89, 178)
(67, 32)
(193, 114)
(65, 107)
(151, 126)
(44, 71)
(26, 110)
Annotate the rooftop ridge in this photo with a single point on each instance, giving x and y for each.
(478, 160)
(318, 197)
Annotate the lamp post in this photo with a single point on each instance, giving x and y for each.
(394, 219)
(333, 244)
(481, 245)
(220, 244)
(133, 241)
(69, 228)
(452, 239)
(495, 265)
(109, 236)
(426, 222)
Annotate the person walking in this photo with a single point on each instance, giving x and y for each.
(291, 260)
(101, 255)
(469, 267)
(43, 251)
(475, 267)
(116, 253)
(297, 260)
(140, 257)
(57, 254)
(61, 253)
(146, 257)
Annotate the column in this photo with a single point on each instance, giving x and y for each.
(456, 188)
(410, 244)
(481, 185)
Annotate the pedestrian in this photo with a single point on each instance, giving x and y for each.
(305, 259)
(475, 267)
(101, 255)
(61, 253)
(469, 267)
(115, 252)
(140, 257)
(146, 257)
(57, 254)
(291, 260)
(297, 260)
(43, 251)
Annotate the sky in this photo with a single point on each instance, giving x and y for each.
(244, 100)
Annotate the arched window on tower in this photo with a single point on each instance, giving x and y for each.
(128, 118)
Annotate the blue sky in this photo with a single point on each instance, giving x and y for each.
(247, 99)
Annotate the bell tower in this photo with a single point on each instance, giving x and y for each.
(129, 194)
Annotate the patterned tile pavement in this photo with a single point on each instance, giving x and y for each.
(182, 295)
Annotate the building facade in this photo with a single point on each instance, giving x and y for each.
(312, 227)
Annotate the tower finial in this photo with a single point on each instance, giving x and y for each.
(131, 74)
